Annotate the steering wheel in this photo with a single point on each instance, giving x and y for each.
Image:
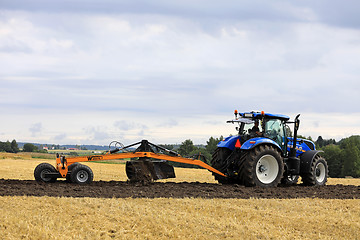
(270, 133)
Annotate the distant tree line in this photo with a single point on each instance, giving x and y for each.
(188, 149)
(10, 147)
(343, 157)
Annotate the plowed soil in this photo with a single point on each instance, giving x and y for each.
(117, 189)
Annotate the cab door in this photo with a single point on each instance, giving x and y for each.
(275, 130)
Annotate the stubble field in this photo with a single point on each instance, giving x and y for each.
(126, 211)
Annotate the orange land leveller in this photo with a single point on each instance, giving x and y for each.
(149, 162)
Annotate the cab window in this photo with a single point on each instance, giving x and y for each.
(274, 129)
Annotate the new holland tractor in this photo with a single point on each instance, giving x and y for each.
(263, 153)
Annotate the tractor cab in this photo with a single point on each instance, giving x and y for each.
(260, 125)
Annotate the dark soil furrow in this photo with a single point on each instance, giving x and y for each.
(115, 189)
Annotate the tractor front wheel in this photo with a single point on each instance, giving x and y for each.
(318, 174)
(263, 167)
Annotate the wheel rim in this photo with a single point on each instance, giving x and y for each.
(320, 172)
(42, 175)
(267, 169)
(82, 176)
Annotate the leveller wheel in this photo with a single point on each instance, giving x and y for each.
(70, 168)
(41, 170)
(81, 174)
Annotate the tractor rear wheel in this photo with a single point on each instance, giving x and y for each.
(41, 170)
(263, 166)
(219, 162)
(81, 174)
(318, 174)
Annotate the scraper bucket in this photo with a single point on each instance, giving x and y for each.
(147, 170)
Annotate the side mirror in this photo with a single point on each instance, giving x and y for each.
(297, 122)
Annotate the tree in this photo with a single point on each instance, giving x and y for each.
(320, 142)
(186, 147)
(334, 157)
(14, 146)
(5, 146)
(28, 147)
(351, 156)
(211, 145)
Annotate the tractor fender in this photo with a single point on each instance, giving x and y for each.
(306, 159)
(251, 143)
(229, 142)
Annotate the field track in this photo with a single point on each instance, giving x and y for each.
(122, 189)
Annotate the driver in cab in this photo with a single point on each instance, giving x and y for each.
(255, 129)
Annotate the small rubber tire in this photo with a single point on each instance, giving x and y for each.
(318, 174)
(81, 174)
(41, 170)
(70, 168)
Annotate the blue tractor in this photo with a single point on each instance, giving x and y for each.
(264, 153)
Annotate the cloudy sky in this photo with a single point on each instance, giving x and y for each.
(89, 72)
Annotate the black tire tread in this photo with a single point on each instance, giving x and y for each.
(76, 169)
(218, 162)
(309, 178)
(40, 168)
(248, 171)
(70, 168)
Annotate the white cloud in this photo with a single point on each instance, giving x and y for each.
(160, 70)
(60, 137)
(126, 125)
(35, 129)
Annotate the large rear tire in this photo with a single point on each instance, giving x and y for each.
(41, 170)
(318, 174)
(262, 167)
(219, 162)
